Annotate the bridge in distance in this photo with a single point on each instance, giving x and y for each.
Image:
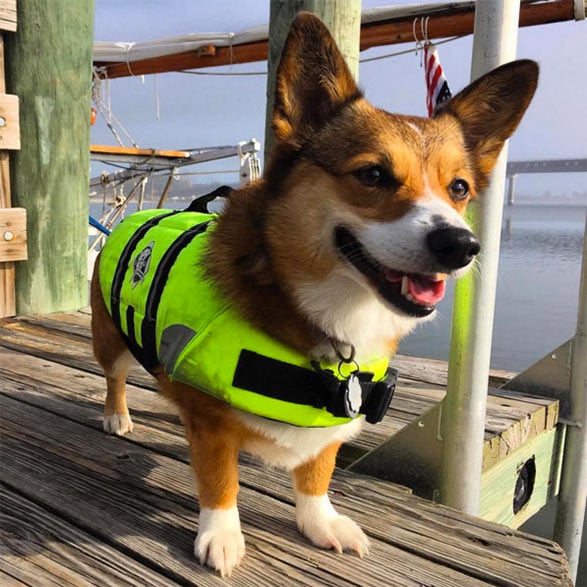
(546, 166)
(515, 168)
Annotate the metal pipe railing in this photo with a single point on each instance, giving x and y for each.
(463, 410)
(570, 512)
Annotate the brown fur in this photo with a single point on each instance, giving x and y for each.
(313, 477)
(275, 235)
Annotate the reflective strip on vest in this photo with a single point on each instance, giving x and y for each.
(155, 287)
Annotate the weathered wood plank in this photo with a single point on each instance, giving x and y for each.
(13, 234)
(390, 516)
(511, 421)
(41, 548)
(9, 122)
(73, 349)
(8, 15)
(436, 371)
(9, 580)
(8, 268)
(64, 348)
(79, 396)
(416, 369)
(19, 367)
(7, 273)
(140, 500)
(498, 482)
(63, 322)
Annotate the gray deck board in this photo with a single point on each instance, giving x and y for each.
(82, 508)
(45, 549)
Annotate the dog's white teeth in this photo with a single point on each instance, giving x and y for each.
(405, 289)
(405, 286)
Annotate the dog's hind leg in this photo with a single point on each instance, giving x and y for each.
(115, 359)
(316, 517)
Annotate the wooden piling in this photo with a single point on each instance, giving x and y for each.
(48, 66)
(343, 19)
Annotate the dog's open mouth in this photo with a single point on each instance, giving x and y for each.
(414, 294)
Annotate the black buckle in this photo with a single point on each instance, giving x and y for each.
(377, 402)
(358, 394)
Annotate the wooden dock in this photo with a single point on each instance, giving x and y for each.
(79, 507)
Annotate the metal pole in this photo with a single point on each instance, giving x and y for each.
(511, 190)
(570, 513)
(463, 411)
(167, 187)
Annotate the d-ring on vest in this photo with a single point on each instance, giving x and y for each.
(171, 314)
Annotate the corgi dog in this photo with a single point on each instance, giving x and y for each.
(339, 251)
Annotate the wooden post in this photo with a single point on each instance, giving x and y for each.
(343, 19)
(48, 65)
(12, 220)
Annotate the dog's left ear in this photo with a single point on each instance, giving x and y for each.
(490, 110)
(313, 81)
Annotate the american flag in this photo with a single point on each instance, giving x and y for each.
(436, 84)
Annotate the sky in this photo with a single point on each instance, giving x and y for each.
(180, 110)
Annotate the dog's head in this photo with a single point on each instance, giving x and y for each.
(369, 205)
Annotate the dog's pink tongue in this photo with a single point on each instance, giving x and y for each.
(425, 290)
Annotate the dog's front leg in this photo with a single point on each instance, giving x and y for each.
(219, 543)
(316, 517)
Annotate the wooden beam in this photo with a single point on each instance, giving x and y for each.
(246, 53)
(372, 35)
(116, 150)
(460, 24)
(51, 74)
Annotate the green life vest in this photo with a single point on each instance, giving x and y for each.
(172, 315)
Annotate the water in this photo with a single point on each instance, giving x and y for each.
(537, 293)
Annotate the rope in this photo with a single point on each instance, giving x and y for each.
(157, 101)
(105, 111)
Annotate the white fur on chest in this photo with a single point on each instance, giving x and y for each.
(288, 446)
(348, 311)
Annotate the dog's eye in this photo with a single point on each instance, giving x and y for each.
(372, 175)
(458, 189)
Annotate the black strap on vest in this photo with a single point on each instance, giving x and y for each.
(149, 359)
(118, 280)
(318, 388)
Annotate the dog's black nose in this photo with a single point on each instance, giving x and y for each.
(453, 247)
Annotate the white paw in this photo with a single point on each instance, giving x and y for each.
(220, 543)
(319, 521)
(118, 424)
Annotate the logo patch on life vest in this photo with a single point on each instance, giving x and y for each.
(141, 264)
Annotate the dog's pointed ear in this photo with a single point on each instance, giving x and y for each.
(490, 109)
(313, 80)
